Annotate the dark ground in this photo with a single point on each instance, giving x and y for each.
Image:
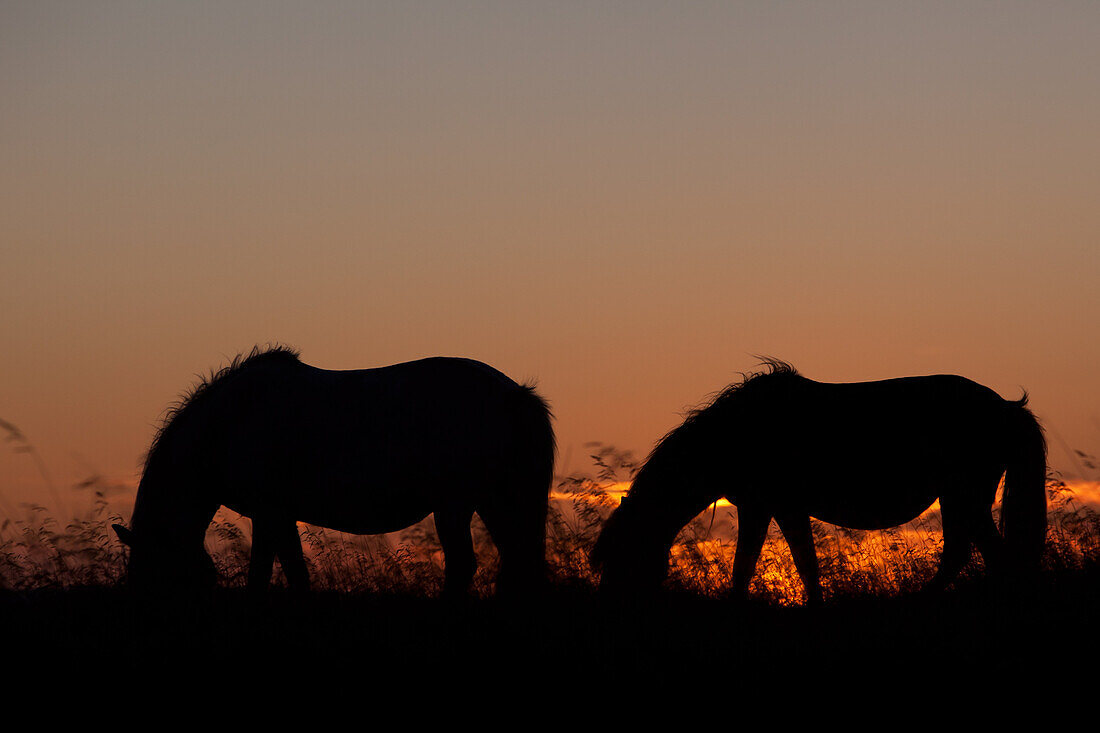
(571, 637)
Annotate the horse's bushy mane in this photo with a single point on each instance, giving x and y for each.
(258, 354)
(768, 370)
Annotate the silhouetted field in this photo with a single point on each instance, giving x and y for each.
(377, 603)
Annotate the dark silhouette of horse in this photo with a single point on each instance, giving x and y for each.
(867, 455)
(363, 451)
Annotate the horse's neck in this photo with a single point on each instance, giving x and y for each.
(671, 501)
(163, 510)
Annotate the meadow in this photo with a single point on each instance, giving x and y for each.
(377, 599)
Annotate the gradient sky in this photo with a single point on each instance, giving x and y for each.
(623, 200)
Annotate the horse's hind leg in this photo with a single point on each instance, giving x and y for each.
(989, 542)
(452, 524)
(518, 529)
(957, 533)
(800, 538)
(987, 538)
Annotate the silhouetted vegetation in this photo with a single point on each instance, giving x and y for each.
(63, 585)
(37, 551)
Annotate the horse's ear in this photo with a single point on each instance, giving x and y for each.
(125, 536)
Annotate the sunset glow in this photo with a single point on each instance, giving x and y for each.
(886, 559)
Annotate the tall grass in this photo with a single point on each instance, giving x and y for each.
(36, 551)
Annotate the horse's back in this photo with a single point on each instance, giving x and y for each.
(368, 450)
(906, 404)
(408, 389)
(876, 454)
(451, 405)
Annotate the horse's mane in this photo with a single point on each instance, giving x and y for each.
(204, 385)
(697, 417)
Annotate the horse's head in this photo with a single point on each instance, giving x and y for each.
(629, 555)
(158, 565)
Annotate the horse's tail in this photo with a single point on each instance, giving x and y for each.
(520, 522)
(1024, 505)
(536, 447)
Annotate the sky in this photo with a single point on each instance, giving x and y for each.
(624, 201)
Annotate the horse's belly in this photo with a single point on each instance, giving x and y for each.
(872, 506)
(357, 509)
(365, 509)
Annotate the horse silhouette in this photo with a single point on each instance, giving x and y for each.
(867, 455)
(363, 451)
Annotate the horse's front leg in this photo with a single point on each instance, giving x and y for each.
(289, 550)
(752, 530)
(800, 538)
(262, 559)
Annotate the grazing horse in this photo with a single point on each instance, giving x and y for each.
(363, 451)
(867, 455)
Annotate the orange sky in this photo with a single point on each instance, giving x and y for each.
(623, 200)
